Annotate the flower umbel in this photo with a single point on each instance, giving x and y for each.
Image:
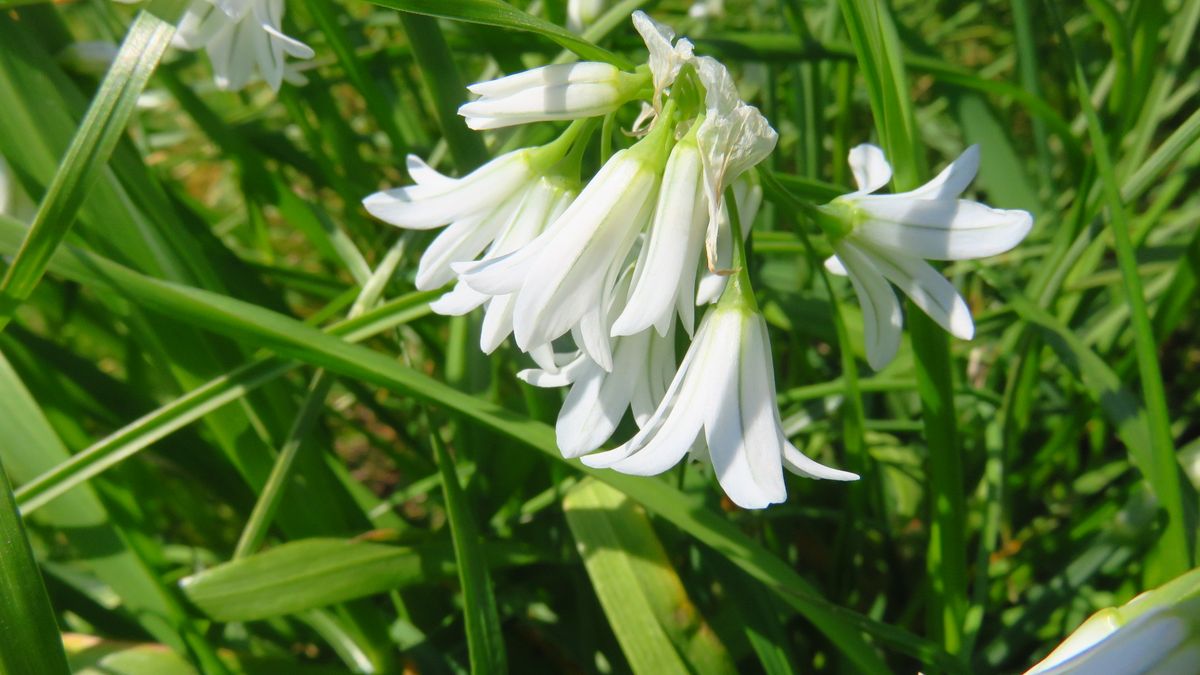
(887, 238)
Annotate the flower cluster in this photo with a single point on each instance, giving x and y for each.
(594, 279)
(613, 267)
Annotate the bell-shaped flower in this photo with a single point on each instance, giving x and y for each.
(666, 59)
(240, 37)
(539, 206)
(733, 137)
(723, 396)
(574, 266)
(887, 238)
(1156, 632)
(564, 91)
(643, 365)
(665, 275)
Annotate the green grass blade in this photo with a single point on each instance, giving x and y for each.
(445, 88)
(485, 641)
(654, 620)
(1174, 551)
(156, 425)
(312, 573)
(97, 136)
(881, 60)
(504, 15)
(295, 340)
(26, 618)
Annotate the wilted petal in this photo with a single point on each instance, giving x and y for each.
(665, 59)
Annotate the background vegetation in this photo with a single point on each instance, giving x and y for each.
(240, 442)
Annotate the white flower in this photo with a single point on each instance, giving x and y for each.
(542, 203)
(666, 60)
(1156, 632)
(665, 276)
(888, 238)
(733, 137)
(581, 13)
(723, 394)
(573, 267)
(643, 365)
(559, 92)
(437, 200)
(240, 36)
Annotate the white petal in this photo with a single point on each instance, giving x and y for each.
(870, 168)
(423, 174)
(416, 208)
(556, 102)
(834, 266)
(596, 231)
(459, 301)
(591, 412)
(882, 320)
(462, 241)
(941, 230)
(928, 290)
(759, 410)
(583, 71)
(669, 433)
(667, 265)
(953, 180)
(802, 465)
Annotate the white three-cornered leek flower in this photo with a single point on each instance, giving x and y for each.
(571, 270)
(724, 396)
(240, 36)
(1158, 633)
(643, 365)
(564, 91)
(889, 237)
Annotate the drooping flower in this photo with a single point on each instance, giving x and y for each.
(642, 368)
(240, 37)
(1156, 632)
(539, 206)
(564, 91)
(724, 396)
(573, 267)
(887, 238)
